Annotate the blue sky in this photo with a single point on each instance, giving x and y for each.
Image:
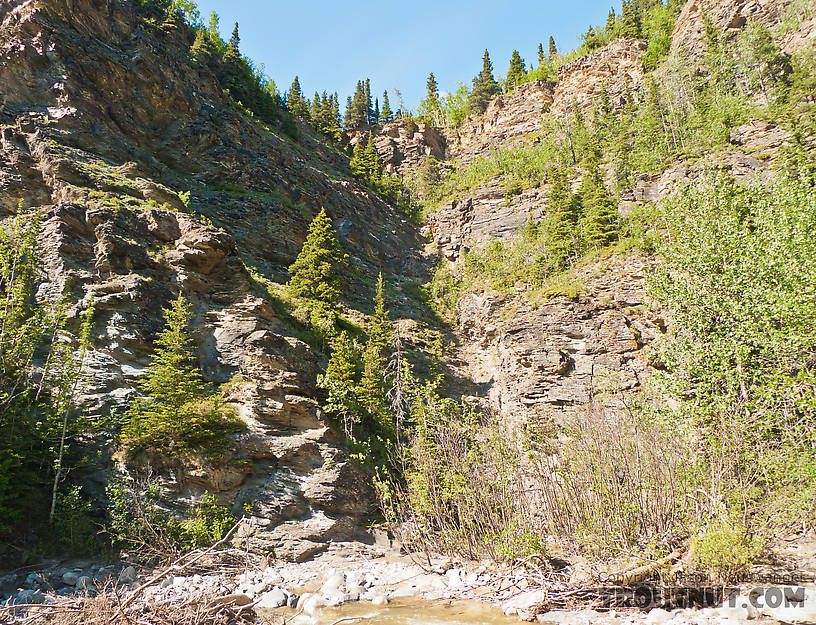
(331, 45)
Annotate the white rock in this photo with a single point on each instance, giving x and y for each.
(335, 597)
(179, 581)
(333, 584)
(313, 604)
(275, 598)
(70, 578)
(658, 616)
(128, 574)
(523, 601)
(379, 600)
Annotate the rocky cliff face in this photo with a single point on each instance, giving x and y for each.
(616, 69)
(403, 144)
(509, 119)
(104, 127)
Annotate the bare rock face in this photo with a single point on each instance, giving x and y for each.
(403, 144)
(508, 120)
(726, 16)
(548, 360)
(617, 67)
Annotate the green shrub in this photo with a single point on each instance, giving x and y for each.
(724, 551)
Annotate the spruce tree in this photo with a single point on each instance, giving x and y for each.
(372, 386)
(203, 49)
(541, 56)
(314, 272)
(484, 86)
(357, 162)
(348, 117)
(373, 167)
(599, 213)
(297, 104)
(376, 117)
(179, 410)
(369, 109)
(340, 382)
(562, 220)
(235, 39)
(553, 49)
(386, 114)
(516, 73)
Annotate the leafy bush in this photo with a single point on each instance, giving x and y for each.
(724, 550)
(137, 520)
(738, 274)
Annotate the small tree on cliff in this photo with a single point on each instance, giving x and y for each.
(179, 411)
(517, 73)
(386, 114)
(484, 86)
(553, 48)
(372, 386)
(314, 272)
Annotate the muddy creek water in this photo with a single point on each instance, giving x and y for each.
(412, 612)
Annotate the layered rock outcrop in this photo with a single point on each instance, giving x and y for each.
(548, 360)
(616, 68)
(509, 119)
(403, 144)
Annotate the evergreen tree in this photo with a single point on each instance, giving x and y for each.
(484, 86)
(314, 272)
(599, 213)
(340, 382)
(386, 114)
(431, 107)
(541, 56)
(203, 49)
(294, 99)
(235, 39)
(517, 73)
(376, 118)
(553, 49)
(180, 409)
(562, 220)
(611, 29)
(373, 167)
(347, 118)
(369, 109)
(372, 386)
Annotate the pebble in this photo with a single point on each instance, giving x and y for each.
(275, 598)
(378, 600)
(70, 578)
(128, 574)
(85, 583)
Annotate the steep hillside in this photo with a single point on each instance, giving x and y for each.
(154, 185)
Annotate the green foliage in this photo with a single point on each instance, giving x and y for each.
(738, 276)
(356, 389)
(484, 87)
(138, 521)
(460, 480)
(517, 73)
(315, 276)
(74, 529)
(179, 412)
(39, 378)
(724, 550)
